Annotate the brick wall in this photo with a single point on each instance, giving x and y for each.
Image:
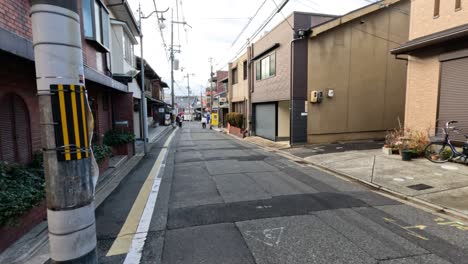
(275, 88)
(422, 92)
(220, 75)
(123, 108)
(424, 23)
(17, 76)
(14, 17)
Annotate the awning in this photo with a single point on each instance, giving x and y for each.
(432, 39)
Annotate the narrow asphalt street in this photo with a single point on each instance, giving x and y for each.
(222, 201)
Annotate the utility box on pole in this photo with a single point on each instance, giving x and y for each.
(66, 127)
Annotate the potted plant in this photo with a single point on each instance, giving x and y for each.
(120, 141)
(405, 151)
(393, 142)
(235, 123)
(102, 154)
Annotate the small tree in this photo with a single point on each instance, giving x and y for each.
(235, 119)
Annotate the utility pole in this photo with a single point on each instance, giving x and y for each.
(201, 103)
(144, 108)
(188, 92)
(211, 90)
(172, 55)
(172, 64)
(69, 166)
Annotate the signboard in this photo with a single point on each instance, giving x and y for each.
(214, 119)
(161, 110)
(222, 99)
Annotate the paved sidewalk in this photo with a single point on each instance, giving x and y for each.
(443, 185)
(33, 247)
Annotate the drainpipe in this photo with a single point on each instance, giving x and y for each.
(291, 91)
(69, 166)
(250, 85)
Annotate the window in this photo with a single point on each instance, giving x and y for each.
(266, 67)
(244, 68)
(96, 22)
(88, 19)
(235, 78)
(458, 4)
(436, 8)
(128, 49)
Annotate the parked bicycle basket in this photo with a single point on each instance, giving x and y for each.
(437, 136)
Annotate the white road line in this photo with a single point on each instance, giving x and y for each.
(138, 242)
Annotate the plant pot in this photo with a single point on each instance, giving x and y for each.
(407, 155)
(103, 165)
(387, 151)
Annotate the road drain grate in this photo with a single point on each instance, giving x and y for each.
(420, 187)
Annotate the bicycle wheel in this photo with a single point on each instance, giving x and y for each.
(438, 152)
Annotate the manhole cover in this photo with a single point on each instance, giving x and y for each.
(420, 187)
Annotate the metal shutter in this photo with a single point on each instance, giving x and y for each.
(265, 120)
(15, 139)
(7, 140)
(453, 98)
(22, 131)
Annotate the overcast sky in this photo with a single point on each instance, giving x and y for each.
(215, 26)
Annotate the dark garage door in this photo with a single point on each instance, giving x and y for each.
(453, 101)
(265, 120)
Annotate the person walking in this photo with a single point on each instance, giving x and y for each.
(208, 119)
(179, 120)
(203, 121)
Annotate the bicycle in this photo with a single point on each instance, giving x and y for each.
(441, 149)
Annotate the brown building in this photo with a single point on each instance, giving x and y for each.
(19, 113)
(154, 92)
(220, 91)
(437, 64)
(361, 83)
(271, 92)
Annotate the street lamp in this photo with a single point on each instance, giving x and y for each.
(143, 96)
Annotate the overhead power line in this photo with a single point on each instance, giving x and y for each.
(160, 31)
(248, 23)
(178, 25)
(284, 17)
(264, 24)
(257, 31)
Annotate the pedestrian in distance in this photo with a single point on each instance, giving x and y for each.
(208, 119)
(179, 120)
(203, 121)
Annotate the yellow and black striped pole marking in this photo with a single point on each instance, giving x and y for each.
(69, 113)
